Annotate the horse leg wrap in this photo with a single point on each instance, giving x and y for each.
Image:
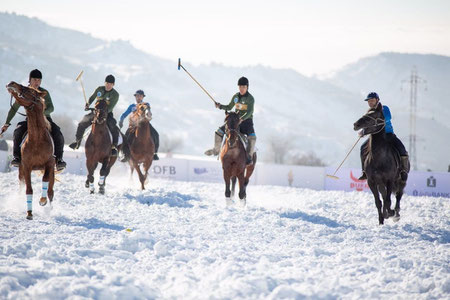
(30, 202)
(91, 187)
(44, 189)
(101, 180)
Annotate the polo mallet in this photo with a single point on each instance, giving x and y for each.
(181, 66)
(82, 86)
(334, 174)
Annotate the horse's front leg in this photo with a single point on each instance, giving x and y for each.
(398, 197)
(29, 193)
(46, 189)
(91, 166)
(387, 211)
(104, 171)
(227, 177)
(242, 189)
(376, 195)
(141, 176)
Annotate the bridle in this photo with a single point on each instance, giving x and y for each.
(98, 119)
(377, 123)
(30, 107)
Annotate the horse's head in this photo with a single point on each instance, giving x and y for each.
(100, 112)
(28, 97)
(232, 122)
(372, 121)
(143, 112)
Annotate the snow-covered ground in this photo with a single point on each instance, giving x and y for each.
(179, 240)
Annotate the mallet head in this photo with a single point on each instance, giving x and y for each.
(179, 63)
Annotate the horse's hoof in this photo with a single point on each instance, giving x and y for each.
(29, 215)
(86, 184)
(101, 190)
(91, 192)
(396, 218)
(43, 201)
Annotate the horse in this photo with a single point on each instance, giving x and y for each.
(381, 164)
(140, 141)
(234, 156)
(98, 148)
(37, 149)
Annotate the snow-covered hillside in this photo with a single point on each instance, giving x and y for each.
(179, 240)
(308, 114)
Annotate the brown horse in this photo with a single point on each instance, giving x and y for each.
(98, 148)
(234, 156)
(37, 149)
(140, 141)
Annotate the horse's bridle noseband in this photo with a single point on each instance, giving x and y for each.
(30, 107)
(383, 122)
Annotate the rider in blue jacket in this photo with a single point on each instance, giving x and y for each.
(139, 95)
(372, 100)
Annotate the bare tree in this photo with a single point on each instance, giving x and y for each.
(278, 149)
(308, 159)
(170, 144)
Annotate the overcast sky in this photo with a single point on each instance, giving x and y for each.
(310, 36)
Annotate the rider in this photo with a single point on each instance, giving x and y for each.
(111, 96)
(34, 81)
(372, 100)
(243, 102)
(139, 95)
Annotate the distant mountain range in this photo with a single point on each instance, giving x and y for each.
(307, 114)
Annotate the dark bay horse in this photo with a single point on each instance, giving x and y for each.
(37, 149)
(98, 148)
(140, 141)
(382, 164)
(234, 156)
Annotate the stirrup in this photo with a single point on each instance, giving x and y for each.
(211, 152)
(60, 164)
(15, 162)
(155, 157)
(75, 145)
(114, 151)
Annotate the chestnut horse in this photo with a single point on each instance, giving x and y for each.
(234, 157)
(98, 148)
(37, 149)
(140, 141)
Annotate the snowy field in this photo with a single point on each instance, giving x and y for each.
(178, 240)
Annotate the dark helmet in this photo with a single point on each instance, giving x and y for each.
(372, 95)
(35, 74)
(110, 79)
(243, 81)
(139, 92)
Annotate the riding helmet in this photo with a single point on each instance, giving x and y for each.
(243, 81)
(110, 79)
(139, 92)
(372, 95)
(35, 74)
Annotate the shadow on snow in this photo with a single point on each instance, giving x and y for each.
(172, 199)
(91, 223)
(314, 219)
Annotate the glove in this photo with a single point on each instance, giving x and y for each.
(361, 133)
(86, 107)
(120, 124)
(218, 105)
(5, 127)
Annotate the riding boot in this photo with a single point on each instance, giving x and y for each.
(82, 126)
(19, 132)
(58, 141)
(60, 164)
(404, 167)
(155, 137)
(363, 158)
(250, 149)
(217, 143)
